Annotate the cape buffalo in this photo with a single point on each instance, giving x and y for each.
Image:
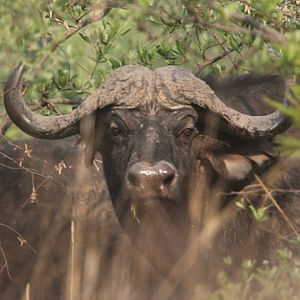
(186, 161)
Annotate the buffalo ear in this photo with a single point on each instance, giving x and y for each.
(260, 160)
(246, 93)
(236, 167)
(231, 166)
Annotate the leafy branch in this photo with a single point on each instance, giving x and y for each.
(100, 11)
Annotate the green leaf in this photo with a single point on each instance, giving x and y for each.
(85, 37)
(290, 144)
(145, 55)
(61, 78)
(115, 63)
(259, 213)
(240, 204)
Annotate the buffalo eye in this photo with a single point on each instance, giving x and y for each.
(115, 129)
(188, 132)
(186, 129)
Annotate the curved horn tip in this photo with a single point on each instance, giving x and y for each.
(14, 78)
(18, 71)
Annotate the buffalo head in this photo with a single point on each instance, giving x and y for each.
(158, 132)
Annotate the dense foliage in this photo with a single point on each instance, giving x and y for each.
(69, 48)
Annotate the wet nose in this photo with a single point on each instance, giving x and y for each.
(152, 177)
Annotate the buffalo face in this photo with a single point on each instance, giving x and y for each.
(148, 161)
(149, 158)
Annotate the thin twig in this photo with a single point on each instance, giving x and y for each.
(64, 101)
(36, 190)
(20, 237)
(214, 59)
(270, 196)
(80, 25)
(21, 167)
(5, 266)
(256, 27)
(266, 32)
(243, 192)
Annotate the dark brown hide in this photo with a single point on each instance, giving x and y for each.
(175, 164)
(33, 219)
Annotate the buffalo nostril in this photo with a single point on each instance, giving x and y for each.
(168, 177)
(152, 177)
(133, 178)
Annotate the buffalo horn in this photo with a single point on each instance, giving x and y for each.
(252, 127)
(46, 127)
(187, 89)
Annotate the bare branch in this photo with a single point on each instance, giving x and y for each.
(20, 237)
(264, 31)
(270, 196)
(214, 59)
(5, 265)
(256, 27)
(83, 23)
(101, 13)
(65, 101)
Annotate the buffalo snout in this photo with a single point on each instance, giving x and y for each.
(147, 180)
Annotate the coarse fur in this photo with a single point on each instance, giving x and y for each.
(173, 175)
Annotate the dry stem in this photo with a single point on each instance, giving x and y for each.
(270, 196)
